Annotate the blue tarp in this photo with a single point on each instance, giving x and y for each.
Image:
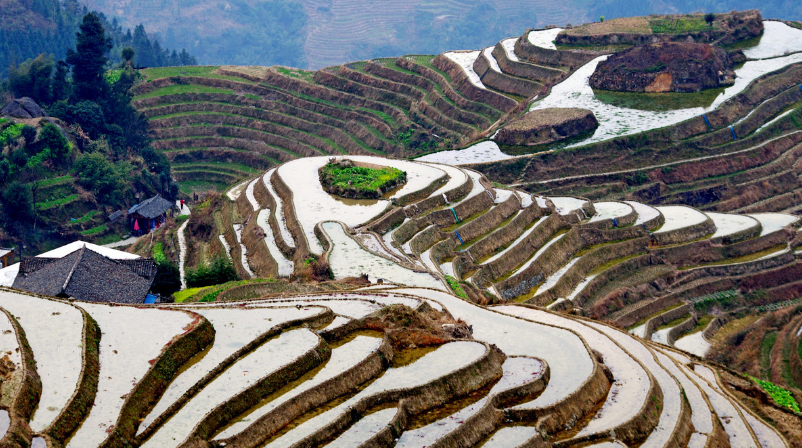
(150, 299)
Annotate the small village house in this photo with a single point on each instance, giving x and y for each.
(149, 214)
(87, 272)
(5, 256)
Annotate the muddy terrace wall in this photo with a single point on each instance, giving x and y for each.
(27, 395)
(503, 82)
(490, 220)
(145, 394)
(264, 427)
(664, 318)
(387, 221)
(545, 75)
(621, 269)
(464, 210)
(560, 253)
(226, 219)
(680, 329)
(241, 402)
(71, 417)
(428, 79)
(735, 269)
(425, 239)
(217, 155)
(423, 192)
(587, 263)
(296, 85)
(280, 102)
(518, 254)
(253, 237)
(706, 227)
(780, 284)
(506, 235)
(460, 79)
(650, 143)
(706, 251)
(300, 143)
(559, 58)
(411, 400)
(295, 228)
(265, 198)
(490, 417)
(224, 142)
(324, 317)
(431, 203)
(345, 73)
(268, 122)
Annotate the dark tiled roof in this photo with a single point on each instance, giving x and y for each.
(87, 275)
(153, 207)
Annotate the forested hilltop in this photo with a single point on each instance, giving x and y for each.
(72, 148)
(29, 28)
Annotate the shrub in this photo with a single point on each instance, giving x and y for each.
(456, 287)
(168, 277)
(18, 202)
(28, 133)
(220, 270)
(52, 138)
(778, 394)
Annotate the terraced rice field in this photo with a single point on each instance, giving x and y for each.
(504, 284)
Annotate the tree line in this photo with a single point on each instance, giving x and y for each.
(21, 43)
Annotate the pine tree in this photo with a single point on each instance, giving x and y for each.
(89, 59)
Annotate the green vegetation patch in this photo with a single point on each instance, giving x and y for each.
(456, 287)
(182, 88)
(778, 394)
(94, 230)
(681, 25)
(345, 178)
(10, 133)
(56, 202)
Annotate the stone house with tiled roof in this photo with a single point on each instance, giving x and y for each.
(89, 276)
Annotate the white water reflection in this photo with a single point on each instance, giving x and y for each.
(616, 121)
(778, 39)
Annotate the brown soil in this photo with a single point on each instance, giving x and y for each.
(544, 126)
(409, 328)
(664, 67)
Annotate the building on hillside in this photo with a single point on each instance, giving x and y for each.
(5, 256)
(9, 274)
(149, 214)
(87, 275)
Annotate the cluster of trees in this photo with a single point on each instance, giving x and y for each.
(20, 42)
(112, 157)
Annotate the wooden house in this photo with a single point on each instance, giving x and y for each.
(149, 214)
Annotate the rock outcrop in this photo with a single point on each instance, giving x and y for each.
(665, 67)
(543, 126)
(24, 108)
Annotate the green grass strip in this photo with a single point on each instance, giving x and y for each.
(181, 88)
(57, 202)
(94, 230)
